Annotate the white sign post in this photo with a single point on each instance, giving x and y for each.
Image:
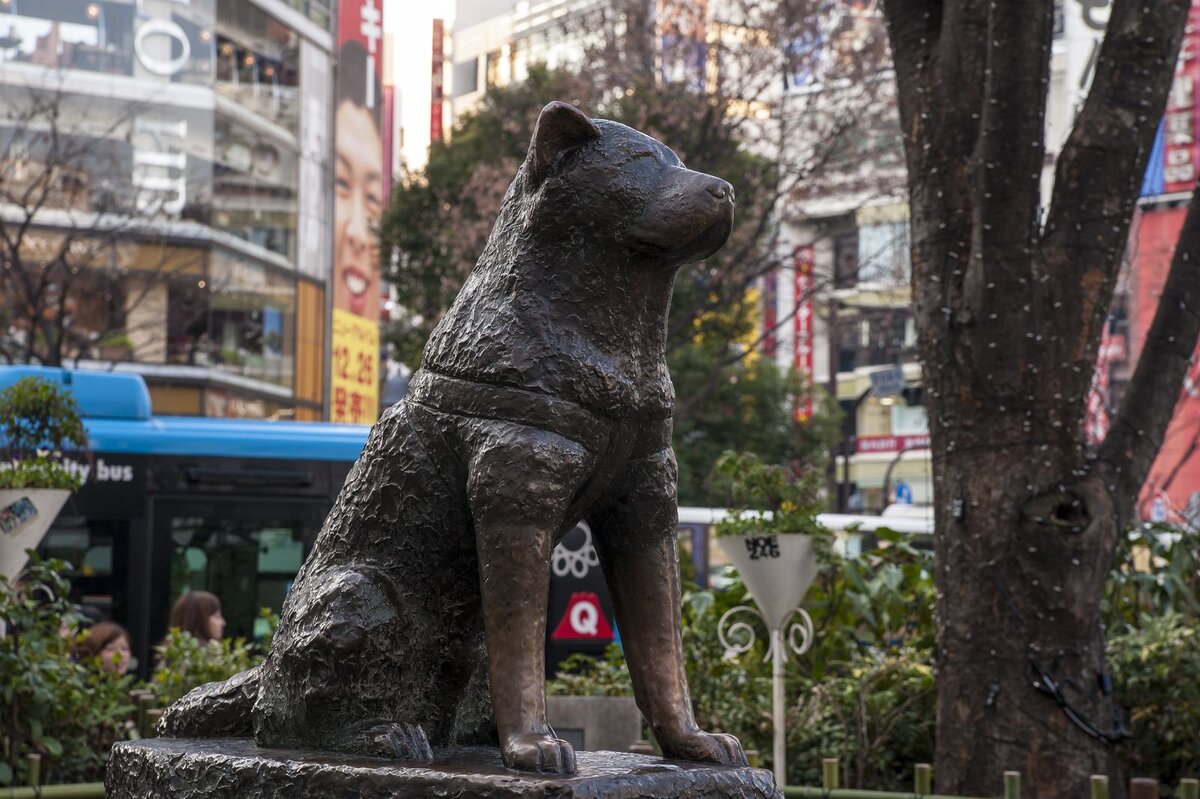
(777, 570)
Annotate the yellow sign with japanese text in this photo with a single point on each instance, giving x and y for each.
(354, 383)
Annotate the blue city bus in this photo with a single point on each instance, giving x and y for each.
(180, 503)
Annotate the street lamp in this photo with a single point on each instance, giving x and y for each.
(777, 571)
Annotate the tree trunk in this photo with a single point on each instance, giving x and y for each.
(1009, 316)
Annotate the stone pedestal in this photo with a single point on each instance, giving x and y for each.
(234, 768)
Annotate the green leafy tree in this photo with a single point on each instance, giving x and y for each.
(67, 712)
(40, 422)
(728, 120)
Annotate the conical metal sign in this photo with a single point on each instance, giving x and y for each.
(777, 570)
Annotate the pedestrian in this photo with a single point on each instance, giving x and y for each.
(107, 642)
(198, 613)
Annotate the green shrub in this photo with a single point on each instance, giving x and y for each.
(584, 675)
(1156, 679)
(65, 711)
(876, 714)
(765, 498)
(184, 663)
(1156, 573)
(874, 620)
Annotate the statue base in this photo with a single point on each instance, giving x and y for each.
(179, 768)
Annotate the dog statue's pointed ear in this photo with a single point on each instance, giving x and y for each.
(559, 128)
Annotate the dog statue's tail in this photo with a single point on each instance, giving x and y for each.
(214, 710)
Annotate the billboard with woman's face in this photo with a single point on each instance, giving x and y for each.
(358, 176)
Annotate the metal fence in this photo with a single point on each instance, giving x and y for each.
(1139, 788)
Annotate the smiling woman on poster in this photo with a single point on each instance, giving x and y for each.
(358, 184)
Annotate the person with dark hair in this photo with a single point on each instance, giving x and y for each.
(107, 642)
(358, 184)
(198, 613)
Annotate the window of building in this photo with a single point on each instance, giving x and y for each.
(258, 63)
(909, 420)
(845, 259)
(168, 42)
(492, 74)
(883, 253)
(239, 318)
(255, 181)
(252, 317)
(466, 77)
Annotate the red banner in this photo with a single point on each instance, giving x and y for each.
(437, 82)
(802, 328)
(868, 444)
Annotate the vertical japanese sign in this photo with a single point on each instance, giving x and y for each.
(358, 205)
(770, 313)
(436, 81)
(803, 328)
(1179, 124)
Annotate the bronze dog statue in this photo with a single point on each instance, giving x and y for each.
(543, 398)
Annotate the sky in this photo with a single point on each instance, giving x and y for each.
(411, 24)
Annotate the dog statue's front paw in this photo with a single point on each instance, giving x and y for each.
(704, 747)
(532, 751)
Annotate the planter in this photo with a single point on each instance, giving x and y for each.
(776, 568)
(25, 516)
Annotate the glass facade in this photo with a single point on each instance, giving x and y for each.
(152, 39)
(258, 63)
(237, 149)
(255, 183)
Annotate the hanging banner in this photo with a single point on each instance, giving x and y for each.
(802, 330)
(437, 81)
(359, 193)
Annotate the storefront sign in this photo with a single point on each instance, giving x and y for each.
(578, 609)
(355, 376)
(802, 330)
(869, 444)
(583, 620)
(887, 382)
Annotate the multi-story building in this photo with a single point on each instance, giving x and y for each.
(197, 141)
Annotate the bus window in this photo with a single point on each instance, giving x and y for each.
(98, 551)
(246, 553)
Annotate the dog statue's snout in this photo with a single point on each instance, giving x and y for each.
(721, 190)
